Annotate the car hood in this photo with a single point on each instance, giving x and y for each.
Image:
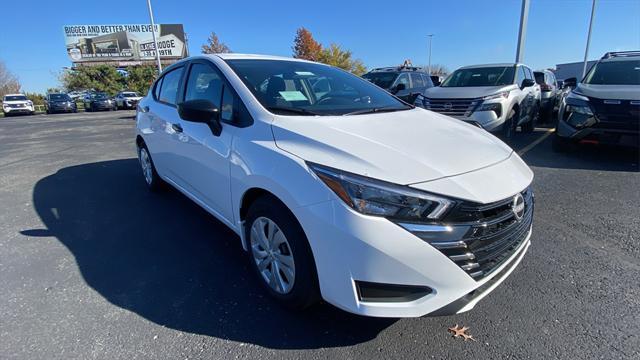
(470, 92)
(14, 102)
(402, 147)
(617, 92)
(135, 98)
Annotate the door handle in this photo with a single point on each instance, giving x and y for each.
(176, 127)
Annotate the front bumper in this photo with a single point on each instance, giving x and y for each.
(350, 247)
(18, 110)
(599, 135)
(61, 107)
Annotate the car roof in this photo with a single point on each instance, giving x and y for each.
(491, 65)
(235, 56)
(621, 58)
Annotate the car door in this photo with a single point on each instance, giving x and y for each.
(202, 157)
(534, 91)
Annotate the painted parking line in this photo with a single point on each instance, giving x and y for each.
(546, 134)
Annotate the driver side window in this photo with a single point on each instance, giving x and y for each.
(403, 79)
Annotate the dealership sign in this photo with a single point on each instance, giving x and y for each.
(130, 42)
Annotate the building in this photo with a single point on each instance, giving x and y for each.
(569, 70)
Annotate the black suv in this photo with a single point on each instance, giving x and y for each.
(604, 108)
(56, 102)
(405, 82)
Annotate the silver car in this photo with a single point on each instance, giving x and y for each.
(496, 97)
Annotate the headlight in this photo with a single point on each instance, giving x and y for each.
(502, 95)
(378, 198)
(495, 107)
(578, 103)
(421, 101)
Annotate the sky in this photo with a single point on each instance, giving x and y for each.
(380, 33)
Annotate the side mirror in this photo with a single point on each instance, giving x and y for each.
(528, 83)
(570, 82)
(399, 88)
(201, 111)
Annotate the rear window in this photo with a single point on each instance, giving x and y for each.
(625, 72)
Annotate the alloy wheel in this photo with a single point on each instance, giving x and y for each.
(272, 254)
(145, 163)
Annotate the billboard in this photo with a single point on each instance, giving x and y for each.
(124, 43)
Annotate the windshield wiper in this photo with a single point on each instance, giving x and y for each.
(299, 111)
(377, 110)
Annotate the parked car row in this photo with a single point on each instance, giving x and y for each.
(14, 104)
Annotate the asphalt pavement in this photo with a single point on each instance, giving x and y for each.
(92, 265)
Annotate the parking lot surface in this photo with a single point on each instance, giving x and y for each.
(94, 266)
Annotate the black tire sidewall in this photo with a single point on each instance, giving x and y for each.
(305, 287)
(509, 124)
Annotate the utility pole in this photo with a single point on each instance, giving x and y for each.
(522, 33)
(430, 41)
(153, 33)
(586, 50)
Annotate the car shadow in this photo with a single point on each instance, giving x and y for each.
(167, 260)
(579, 157)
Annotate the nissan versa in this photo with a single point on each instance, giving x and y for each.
(339, 192)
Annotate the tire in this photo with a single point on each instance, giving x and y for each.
(510, 124)
(560, 144)
(48, 111)
(293, 256)
(150, 175)
(530, 125)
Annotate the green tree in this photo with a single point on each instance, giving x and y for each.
(334, 55)
(100, 78)
(214, 45)
(140, 78)
(37, 99)
(305, 46)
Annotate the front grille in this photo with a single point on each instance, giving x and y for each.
(494, 234)
(616, 114)
(453, 107)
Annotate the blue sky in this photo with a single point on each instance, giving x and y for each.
(381, 33)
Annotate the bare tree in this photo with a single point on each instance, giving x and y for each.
(214, 45)
(439, 70)
(8, 81)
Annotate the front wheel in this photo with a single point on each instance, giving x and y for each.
(530, 125)
(280, 254)
(151, 177)
(510, 124)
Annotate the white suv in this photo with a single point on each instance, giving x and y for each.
(496, 97)
(345, 193)
(17, 104)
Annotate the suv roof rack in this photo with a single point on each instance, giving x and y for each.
(613, 54)
(398, 68)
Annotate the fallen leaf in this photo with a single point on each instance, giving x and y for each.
(460, 331)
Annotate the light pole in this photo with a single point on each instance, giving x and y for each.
(522, 33)
(430, 41)
(586, 50)
(153, 33)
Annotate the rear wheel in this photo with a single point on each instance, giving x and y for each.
(280, 254)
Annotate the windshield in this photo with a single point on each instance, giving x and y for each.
(625, 72)
(130, 94)
(59, 97)
(15, 98)
(484, 76)
(100, 96)
(301, 88)
(539, 77)
(382, 79)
